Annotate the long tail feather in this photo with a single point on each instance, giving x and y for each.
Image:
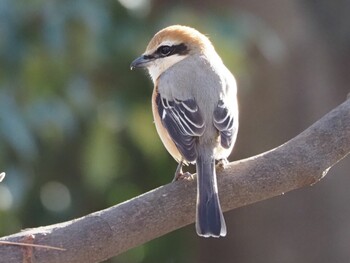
(210, 220)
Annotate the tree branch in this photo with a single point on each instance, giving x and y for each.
(302, 161)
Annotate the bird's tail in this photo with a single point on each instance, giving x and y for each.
(210, 220)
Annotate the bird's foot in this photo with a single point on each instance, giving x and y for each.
(179, 175)
(183, 176)
(222, 163)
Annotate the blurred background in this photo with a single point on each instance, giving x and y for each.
(76, 131)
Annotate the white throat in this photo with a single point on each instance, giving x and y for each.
(157, 67)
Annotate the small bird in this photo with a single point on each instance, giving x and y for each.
(195, 111)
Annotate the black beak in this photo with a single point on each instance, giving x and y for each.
(140, 62)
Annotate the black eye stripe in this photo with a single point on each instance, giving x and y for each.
(165, 51)
(181, 49)
(149, 57)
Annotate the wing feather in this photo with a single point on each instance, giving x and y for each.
(184, 123)
(224, 122)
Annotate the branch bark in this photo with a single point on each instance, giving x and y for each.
(302, 161)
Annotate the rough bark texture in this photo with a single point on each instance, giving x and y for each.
(300, 162)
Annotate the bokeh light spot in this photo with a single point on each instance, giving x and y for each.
(138, 7)
(6, 199)
(55, 196)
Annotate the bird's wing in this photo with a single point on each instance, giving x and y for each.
(183, 121)
(224, 122)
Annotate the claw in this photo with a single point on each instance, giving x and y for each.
(184, 176)
(222, 163)
(179, 175)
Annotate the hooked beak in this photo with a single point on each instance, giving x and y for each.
(140, 62)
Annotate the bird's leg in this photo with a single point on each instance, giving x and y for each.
(179, 175)
(222, 163)
(178, 171)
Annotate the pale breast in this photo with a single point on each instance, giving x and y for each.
(162, 132)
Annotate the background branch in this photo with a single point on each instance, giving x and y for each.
(302, 161)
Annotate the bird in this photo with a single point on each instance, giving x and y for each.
(195, 111)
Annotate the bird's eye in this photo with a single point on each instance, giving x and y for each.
(164, 50)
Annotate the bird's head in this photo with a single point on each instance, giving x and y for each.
(169, 46)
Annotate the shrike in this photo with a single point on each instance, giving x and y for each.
(195, 111)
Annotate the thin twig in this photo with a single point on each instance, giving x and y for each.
(2, 176)
(30, 245)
